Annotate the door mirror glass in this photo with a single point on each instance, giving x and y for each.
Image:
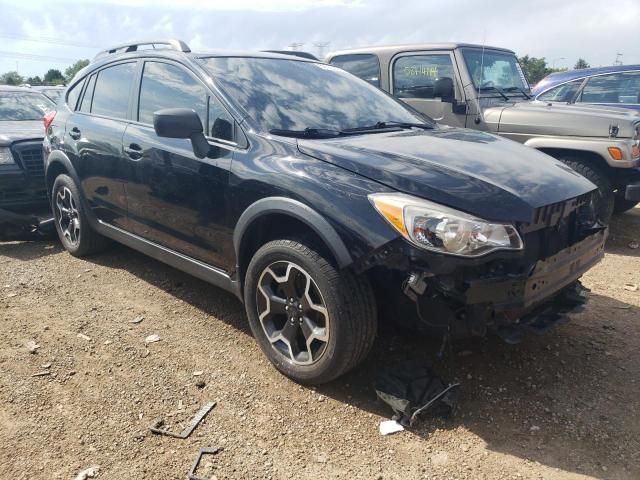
(182, 123)
(443, 89)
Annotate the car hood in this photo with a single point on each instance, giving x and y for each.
(561, 119)
(20, 130)
(480, 173)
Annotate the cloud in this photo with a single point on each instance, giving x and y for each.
(589, 29)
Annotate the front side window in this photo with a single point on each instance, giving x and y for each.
(491, 69)
(292, 94)
(414, 76)
(111, 94)
(562, 93)
(17, 106)
(366, 66)
(168, 86)
(615, 88)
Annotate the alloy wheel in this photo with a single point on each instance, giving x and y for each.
(292, 313)
(67, 215)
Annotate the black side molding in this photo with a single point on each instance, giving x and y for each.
(189, 265)
(632, 192)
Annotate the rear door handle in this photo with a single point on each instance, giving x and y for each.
(134, 151)
(75, 133)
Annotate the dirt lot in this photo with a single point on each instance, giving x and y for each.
(565, 405)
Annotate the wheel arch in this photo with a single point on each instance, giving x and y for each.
(269, 216)
(58, 164)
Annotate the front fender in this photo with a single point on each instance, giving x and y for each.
(299, 211)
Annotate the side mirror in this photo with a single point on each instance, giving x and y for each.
(182, 123)
(443, 88)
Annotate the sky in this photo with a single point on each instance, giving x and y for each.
(36, 35)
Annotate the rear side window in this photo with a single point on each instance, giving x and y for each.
(169, 86)
(111, 94)
(562, 93)
(414, 76)
(85, 104)
(616, 88)
(74, 94)
(366, 66)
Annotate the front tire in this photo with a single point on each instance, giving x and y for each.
(72, 225)
(604, 199)
(312, 321)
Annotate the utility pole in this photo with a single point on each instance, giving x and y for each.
(321, 46)
(618, 59)
(295, 45)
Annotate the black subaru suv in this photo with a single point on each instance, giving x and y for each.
(315, 198)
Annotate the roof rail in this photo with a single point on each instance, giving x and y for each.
(178, 45)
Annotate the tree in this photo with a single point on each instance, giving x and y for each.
(53, 77)
(34, 80)
(70, 72)
(535, 69)
(11, 78)
(581, 63)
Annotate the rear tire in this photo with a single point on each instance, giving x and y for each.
(622, 205)
(76, 235)
(604, 200)
(311, 338)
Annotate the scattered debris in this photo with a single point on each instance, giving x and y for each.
(412, 389)
(84, 337)
(108, 342)
(390, 426)
(11, 295)
(633, 245)
(137, 320)
(91, 472)
(204, 411)
(41, 374)
(203, 451)
(197, 373)
(534, 428)
(201, 384)
(152, 338)
(46, 365)
(632, 287)
(32, 346)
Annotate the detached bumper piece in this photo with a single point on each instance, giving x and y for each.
(632, 193)
(17, 227)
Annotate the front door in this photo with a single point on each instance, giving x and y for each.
(412, 79)
(175, 199)
(93, 140)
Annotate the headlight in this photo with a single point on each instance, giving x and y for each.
(5, 156)
(445, 230)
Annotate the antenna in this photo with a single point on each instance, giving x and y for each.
(479, 118)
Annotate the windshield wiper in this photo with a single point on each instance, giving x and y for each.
(514, 88)
(495, 89)
(307, 133)
(392, 124)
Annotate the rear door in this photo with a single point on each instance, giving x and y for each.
(175, 199)
(93, 139)
(412, 77)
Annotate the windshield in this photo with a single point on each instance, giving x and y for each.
(496, 70)
(23, 106)
(282, 94)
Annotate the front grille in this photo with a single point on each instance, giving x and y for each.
(553, 214)
(30, 155)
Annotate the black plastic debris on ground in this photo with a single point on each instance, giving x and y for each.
(413, 390)
(191, 426)
(21, 227)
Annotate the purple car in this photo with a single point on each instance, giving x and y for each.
(617, 86)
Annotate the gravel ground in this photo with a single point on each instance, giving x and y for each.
(565, 405)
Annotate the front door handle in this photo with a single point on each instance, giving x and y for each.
(134, 151)
(75, 133)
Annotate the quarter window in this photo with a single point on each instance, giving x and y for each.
(616, 88)
(562, 93)
(414, 76)
(85, 104)
(74, 94)
(365, 66)
(111, 94)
